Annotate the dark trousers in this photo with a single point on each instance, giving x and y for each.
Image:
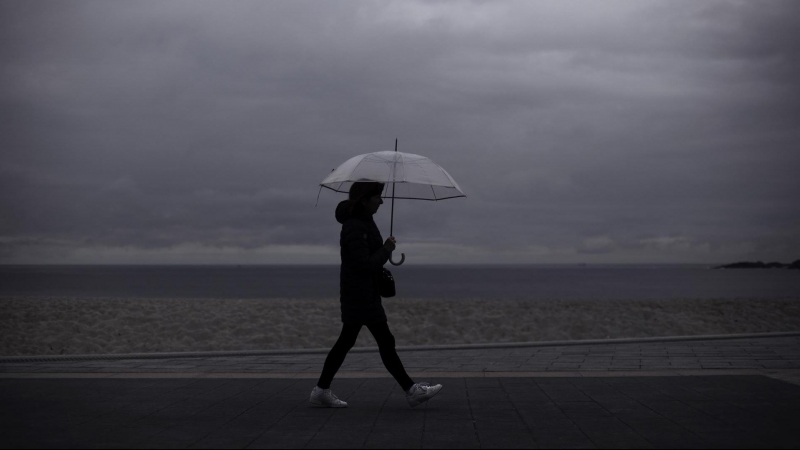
(385, 345)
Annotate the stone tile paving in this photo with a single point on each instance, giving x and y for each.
(516, 412)
(750, 353)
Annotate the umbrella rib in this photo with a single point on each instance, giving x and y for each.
(358, 164)
(394, 171)
(328, 187)
(452, 181)
(428, 199)
(404, 169)
(403, 198)
(380, 157)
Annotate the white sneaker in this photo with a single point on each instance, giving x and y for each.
(324, 398)
(422, 393)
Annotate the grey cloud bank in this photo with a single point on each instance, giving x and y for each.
(196, 132)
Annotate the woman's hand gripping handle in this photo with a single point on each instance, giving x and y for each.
(390, 245)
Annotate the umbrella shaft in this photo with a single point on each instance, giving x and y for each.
(391, 221)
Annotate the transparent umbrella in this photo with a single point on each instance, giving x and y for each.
(412, 177)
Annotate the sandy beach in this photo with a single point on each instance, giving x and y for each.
(51, 326)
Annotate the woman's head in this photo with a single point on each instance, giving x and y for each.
(368, 194)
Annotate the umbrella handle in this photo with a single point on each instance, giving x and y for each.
(402, 258)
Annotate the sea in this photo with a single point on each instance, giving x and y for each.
(531, 282)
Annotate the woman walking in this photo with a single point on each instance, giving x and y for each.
(363, 255)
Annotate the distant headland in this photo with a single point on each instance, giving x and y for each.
(760, 265)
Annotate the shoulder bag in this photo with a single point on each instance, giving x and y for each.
(386, 283)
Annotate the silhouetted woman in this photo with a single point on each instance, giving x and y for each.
(363, 255)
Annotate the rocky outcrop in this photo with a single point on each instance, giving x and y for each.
(760, 265)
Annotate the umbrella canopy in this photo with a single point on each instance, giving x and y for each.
(412, 176)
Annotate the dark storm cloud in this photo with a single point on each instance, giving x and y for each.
(581, 131)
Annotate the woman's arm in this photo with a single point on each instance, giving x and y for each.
(354, 243)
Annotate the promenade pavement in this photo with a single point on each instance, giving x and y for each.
(692, 394)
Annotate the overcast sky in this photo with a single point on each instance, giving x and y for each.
(581, 132)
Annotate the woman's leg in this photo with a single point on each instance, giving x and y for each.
(389, 355)
(346, 341)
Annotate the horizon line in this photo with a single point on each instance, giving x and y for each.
(337, 264)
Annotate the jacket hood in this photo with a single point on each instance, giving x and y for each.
(343, 213)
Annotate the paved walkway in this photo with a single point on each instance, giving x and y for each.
(751, 356)
(720, 393)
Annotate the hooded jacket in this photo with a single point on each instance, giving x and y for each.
(363, 257)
